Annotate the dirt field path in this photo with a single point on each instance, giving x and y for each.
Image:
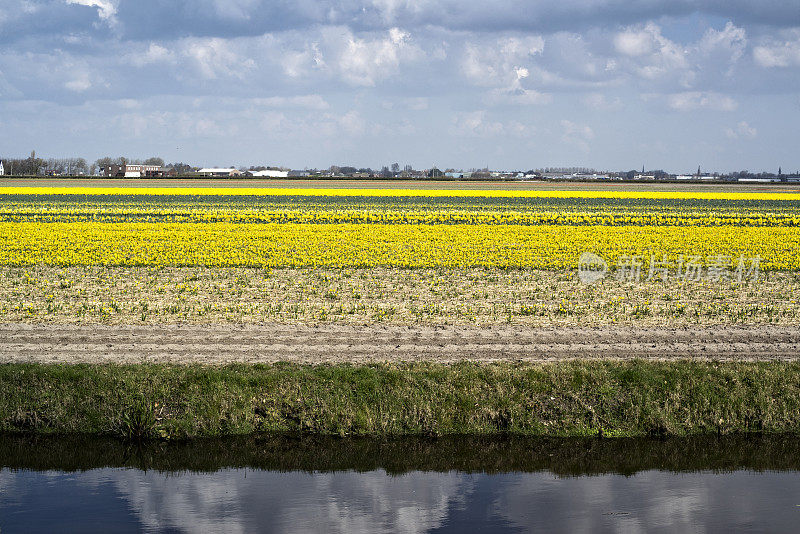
(219, 344)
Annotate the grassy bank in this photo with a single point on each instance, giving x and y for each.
(575, 398)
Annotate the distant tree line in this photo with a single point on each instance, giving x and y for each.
(23, 166)
(33, 165)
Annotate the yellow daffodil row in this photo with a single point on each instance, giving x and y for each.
(786, 194)
(367, 245)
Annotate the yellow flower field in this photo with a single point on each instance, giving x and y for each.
(367, 245)
(332, 228)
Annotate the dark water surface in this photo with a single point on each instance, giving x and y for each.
(286, 484)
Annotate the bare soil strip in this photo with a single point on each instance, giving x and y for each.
(221, 344)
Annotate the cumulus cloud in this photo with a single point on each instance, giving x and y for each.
(216, 58)
(505, 65)
(106, 9)
(365, 61)
(634, 43)
(741, 131)
(298, 63)
(779, 53)
(731, 39)
(155, 53)
(501, 62)
(653, 54)
(79, 83)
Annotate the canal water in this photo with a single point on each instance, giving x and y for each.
(460, 484)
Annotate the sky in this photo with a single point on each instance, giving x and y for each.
(507, 84)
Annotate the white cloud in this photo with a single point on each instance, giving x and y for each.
(475, 124)
(106, 9)
(501, 62)
(779, 53)
(742, 131)
(634, 43)
(155, 53)
(653, 56)
(299, 63)
(352, 122)
(693, 100)
(216, 58)
(79, 84)
(731, 38)
(361, 61)
(506, 64)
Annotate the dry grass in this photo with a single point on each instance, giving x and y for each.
(116, 295)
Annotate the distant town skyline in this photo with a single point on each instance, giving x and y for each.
(156, 167)
(505, 85)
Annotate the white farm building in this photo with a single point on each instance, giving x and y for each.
(270, 174)
(214, 171)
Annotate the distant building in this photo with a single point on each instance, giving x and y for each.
(217, 172)
(298, 174)
(2, 169)
(133, 171)
(269, 174)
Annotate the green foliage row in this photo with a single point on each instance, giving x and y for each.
(569, 398)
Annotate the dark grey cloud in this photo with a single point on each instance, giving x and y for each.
(170, 19)
(151, 18)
